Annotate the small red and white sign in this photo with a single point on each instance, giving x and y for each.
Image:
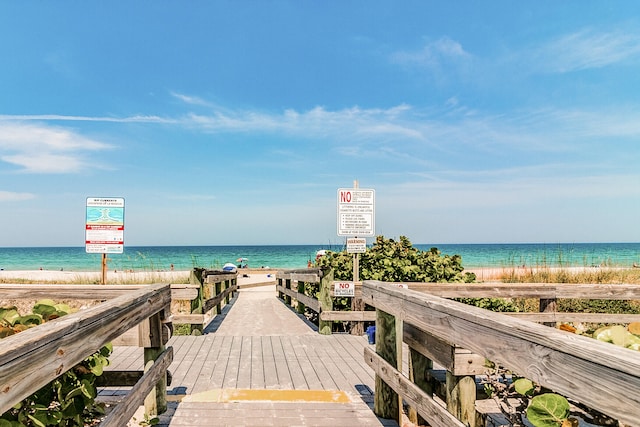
(344, 289)
(356, 245)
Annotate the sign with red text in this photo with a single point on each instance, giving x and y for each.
(344, 289)
(356, 245)
(356, 212)
(104, 228)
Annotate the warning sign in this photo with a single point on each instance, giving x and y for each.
(356, 212)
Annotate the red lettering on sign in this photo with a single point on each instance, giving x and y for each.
(345, 196)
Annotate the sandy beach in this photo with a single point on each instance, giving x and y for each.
(245, 277)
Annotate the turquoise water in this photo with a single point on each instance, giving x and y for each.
(157, 258)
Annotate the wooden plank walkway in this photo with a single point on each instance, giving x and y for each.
(261, 364)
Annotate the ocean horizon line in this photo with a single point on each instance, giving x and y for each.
(330, 244)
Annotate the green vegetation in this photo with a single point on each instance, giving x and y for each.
(570, 275)
(125, 278)
(398, 261)
(67, 401)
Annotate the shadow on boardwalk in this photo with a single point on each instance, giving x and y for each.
(261, 364)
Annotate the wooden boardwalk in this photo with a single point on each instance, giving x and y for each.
(261, 364)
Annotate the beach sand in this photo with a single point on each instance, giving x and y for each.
(245, 276)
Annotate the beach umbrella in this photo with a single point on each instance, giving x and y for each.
(242, 260)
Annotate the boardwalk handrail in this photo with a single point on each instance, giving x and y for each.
(602, 376)
(547, 293)
(207, 290)
(31, 359)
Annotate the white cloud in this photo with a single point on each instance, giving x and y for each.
(38, 148)
(191, 100)
(434, 54)
(587, 49)
(63, 118)
(9, 196)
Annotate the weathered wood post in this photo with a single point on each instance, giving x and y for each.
(280, 294)
(150, 336)
(218, 291)
(385, 403)
(325, 327)
(287, 298)
(227, 284)
(419, 366)
(549, 305)
(197, 304)
(461, 397)
(301, 288)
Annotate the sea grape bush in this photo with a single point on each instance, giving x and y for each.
(67, 401)
(398, 261)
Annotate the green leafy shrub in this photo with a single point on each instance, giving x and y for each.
(67, 401)
(398, 261)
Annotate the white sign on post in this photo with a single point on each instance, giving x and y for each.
(356, 212)
(104, 229)
(344, 289)
(356, 245)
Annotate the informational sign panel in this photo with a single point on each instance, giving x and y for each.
(356, 212)
(104, 230)
(356, 245)
(344, 289)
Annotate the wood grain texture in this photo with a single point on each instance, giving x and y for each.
(33, 358)
(600, 375)
(425, 405)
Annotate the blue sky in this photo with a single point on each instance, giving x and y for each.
(235, 122)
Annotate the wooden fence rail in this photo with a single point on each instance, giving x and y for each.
(602, 376)
(290, 287)
(31, 359)
(207, 291)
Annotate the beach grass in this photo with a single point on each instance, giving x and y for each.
(604, 275)
(121, 278)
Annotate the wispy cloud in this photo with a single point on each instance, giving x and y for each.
(191, 100)
(434, 54)
(8, 196)
(402, 132)
(71, 118)
(587, 49)
(40, 148)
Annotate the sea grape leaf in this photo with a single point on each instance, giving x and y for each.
(44, 309)
(9, 316)
(30, 320)
(548, 410)
(618, 335)
(524, 386)
(63, 308)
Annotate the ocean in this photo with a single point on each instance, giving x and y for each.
(160, 258)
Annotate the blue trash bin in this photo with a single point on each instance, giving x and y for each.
(371, 333)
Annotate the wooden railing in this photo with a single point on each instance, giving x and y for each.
(31, 359)
(460, 337)
(291, 287)
(207, 292)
